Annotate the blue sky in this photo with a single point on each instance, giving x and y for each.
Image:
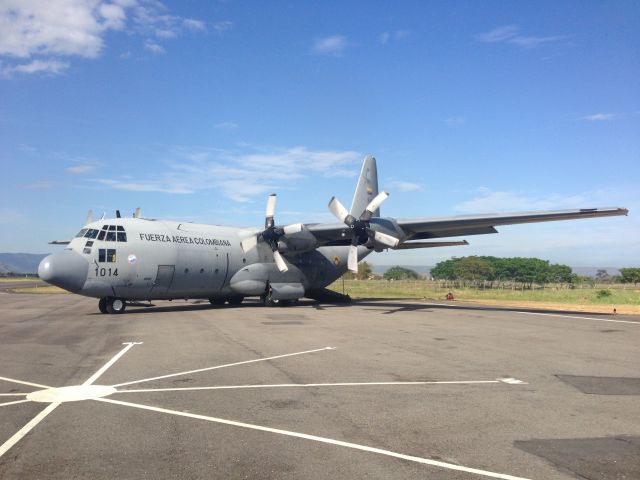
(198, 110)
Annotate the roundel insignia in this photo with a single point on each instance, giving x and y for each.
(336, 261)
(132, 259)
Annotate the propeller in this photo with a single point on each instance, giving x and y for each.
(272, 234)
(362, 232)
(137, 213)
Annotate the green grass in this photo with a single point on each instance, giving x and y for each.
(431, 291)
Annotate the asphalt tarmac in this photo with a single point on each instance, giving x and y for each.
(377, 389)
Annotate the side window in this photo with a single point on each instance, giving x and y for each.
(101, 255)
(82, 232)
(111, 255)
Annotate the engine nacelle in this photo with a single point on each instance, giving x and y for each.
(253, 279)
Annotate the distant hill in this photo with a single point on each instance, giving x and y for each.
(20, 262)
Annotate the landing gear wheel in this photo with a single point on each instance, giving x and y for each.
(236, 300)
(217, 301)
(268, 299)
(102, 305)
(116, 305)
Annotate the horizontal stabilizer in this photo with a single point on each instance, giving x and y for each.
(411, 245)
(60, 242)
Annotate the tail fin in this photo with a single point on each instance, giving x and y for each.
(367, 187)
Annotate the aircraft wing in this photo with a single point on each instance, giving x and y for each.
(443, 227)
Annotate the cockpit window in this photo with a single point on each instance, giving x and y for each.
(82, 232)
(101, 235)
(122, 236)
(92, 233)
(111, 237)
(112, 227)
(109, 233)
(120, 228)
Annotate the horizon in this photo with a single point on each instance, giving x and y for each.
(197, 111)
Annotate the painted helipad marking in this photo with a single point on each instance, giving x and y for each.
(88, 391)
(106, 366)
(4, 448)
(63, 393)
(512, 381)
(223, 366)
(71, 394)
(22, 382)
(13, 403)
(355, 446)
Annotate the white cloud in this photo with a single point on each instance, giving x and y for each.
(600, 117)
(455, 121)
(334, 45)
(223, 26)
(226, 126)
(398, 35)
(154, 48)
(384, 37)
(82, 168)
(240, 175)
(498, 34)
(406, 186)
(35, 35)
(511, 34)
(489, 201)
(51, 67)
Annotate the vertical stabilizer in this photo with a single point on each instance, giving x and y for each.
(367, 187)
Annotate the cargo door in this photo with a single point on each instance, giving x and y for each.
(164, 278)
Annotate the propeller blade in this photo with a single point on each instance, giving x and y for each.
(104, 215)
(338, 209)
(271, 206)
(137, 213)
(352, 261)
(291, 229)
(375, 204)
(89, 217)
(277, 257)
(249, 243)
(118, 214)
(385, 239)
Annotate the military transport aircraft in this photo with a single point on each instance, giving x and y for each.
(127, 259)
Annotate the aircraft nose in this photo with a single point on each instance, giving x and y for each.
(66, 269)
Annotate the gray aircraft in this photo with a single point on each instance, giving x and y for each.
(127, 259)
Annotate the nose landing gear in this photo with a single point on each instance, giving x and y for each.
(112, 305)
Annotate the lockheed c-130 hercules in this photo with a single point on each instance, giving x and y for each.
(127, 259)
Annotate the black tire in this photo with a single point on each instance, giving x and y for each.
(116, 305)
(268, 300)
(236, 300)
(217, 301)
(102, 305)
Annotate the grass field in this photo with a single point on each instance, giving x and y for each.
(625, 301)
(18, 279)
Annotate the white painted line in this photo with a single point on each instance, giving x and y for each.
(288, 385)
(7, 379)
(4, 448)
(583, 318)
(13, 403)
(223, 366)
(355, 446)
(512, 381)
(106, 366)
(13, 394)
(535, 313)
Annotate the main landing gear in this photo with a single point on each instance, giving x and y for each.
(112, 305)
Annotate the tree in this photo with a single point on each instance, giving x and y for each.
(630, 275)
(602, 275)
(400, 273)
(364, 272)
(474, 268)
